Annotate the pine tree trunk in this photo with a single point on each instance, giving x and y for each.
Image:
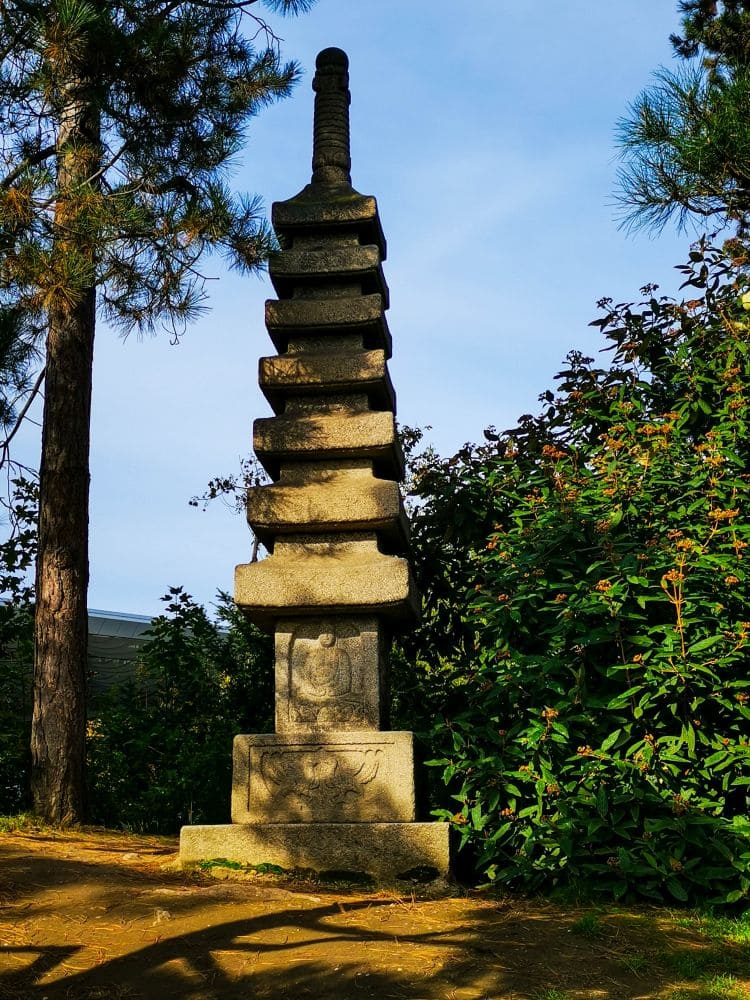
(58, 736)
(61, 627)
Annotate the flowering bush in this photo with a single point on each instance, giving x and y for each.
(598, 716)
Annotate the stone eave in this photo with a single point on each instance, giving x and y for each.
(281, 376)
(309, 266)
(329, 206)
(305, 436)
(339, 502)
(361, 314)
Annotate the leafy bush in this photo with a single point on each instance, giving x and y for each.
(595, 721)
(16, 645)
(160, 751)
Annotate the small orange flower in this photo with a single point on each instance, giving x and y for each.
(723, 515)
(685, 544)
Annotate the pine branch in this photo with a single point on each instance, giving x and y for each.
(5, 445)
(31, 161)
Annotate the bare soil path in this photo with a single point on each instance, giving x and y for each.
(87, 915)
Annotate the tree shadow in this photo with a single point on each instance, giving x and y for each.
(202, 939)
(273, 955)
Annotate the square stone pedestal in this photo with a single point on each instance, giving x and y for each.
(384, 851)
(341, 801)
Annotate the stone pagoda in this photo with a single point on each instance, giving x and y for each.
(330, 789)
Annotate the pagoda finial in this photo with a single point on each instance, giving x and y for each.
(331, 159)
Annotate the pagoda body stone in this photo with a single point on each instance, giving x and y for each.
(331, 788)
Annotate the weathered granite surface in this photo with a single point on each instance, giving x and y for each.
(347, 434)
(328, 500)
(383, 850)
(324, 777)
(311, 573)
(330, 674)
(356, 371)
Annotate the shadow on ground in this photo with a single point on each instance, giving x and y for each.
(95, 916)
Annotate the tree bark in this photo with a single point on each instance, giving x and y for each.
(58, 741)
(58, 737)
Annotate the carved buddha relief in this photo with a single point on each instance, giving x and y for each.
(326, 681)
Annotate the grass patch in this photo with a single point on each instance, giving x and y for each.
(720, 928)
(635, 963)
(588, 926)
(712, 988)
(264, 868)
(22, 823)
(690, 963)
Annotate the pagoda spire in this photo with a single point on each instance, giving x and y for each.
(331, 160)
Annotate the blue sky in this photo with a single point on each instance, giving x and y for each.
(486, 131)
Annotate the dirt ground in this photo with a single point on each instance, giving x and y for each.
(108, 915)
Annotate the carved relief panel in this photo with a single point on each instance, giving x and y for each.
(340, 778)
(328, 675)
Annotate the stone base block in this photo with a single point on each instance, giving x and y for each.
(350, 777)
(382, 850)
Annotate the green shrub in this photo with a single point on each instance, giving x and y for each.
(17, 555)
(160, 751)
(597, 722)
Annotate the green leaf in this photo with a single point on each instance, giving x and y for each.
(611, 740)
(677, 889)
(602, 802)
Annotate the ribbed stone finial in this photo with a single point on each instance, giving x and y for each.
(331, 159)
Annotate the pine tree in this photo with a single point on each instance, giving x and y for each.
(720, 32)
(121, 118)
(686, 141)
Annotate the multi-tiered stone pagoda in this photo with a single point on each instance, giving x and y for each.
(330, 789)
